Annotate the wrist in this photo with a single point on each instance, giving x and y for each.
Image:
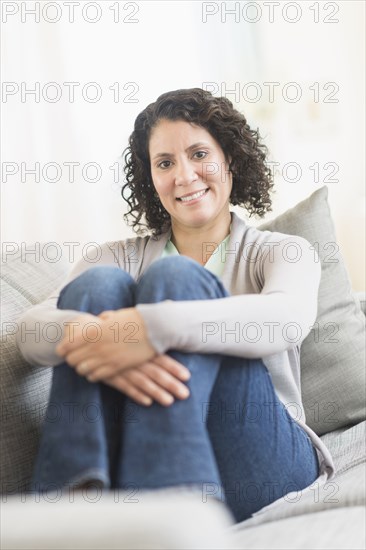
(157, 318)
(142, 332)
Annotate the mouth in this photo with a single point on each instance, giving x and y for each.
(194, 196)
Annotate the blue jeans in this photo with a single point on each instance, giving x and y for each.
(231, 437)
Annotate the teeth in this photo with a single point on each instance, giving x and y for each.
(194, 196)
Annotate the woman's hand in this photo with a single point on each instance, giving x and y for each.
(157, 379)
(101, 346)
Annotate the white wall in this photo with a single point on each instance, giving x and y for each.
(169, 47)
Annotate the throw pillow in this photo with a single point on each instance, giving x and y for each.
(333, 354)
(24, 389)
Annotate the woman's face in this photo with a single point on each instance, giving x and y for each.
(189, 173)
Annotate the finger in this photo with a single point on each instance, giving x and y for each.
(149, 387)
(174, 367)
(101, 372)
(85, 367)
(163, 378)
(66, 347)
(82, 363)
(82, 330)
(106, 314)
(66, 344)
(83, 370)
(86, 354)
(124, 386)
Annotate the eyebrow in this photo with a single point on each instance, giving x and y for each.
(198, 144)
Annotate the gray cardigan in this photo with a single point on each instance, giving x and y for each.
(273, 280)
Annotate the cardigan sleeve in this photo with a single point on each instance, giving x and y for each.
(245, 325)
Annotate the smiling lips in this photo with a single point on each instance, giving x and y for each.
(197, 195)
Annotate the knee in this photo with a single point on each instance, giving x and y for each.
(173, 268)
(99, 276)
(98, 281)
(178, 278)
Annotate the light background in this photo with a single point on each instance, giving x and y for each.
(170, 47)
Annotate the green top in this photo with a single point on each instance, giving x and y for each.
(215, 263)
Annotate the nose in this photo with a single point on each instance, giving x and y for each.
(185, 173)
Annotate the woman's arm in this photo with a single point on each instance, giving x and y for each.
(40, 328)
(246, 325)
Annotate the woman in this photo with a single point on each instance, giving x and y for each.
(183, 369)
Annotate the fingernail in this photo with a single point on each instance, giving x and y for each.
(168, 400)
(183, 392)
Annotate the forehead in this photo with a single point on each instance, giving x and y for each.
(177, 132)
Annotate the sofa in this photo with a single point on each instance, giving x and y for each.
(331, 516)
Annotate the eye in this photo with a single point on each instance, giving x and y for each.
(201, 152)
(160, 165)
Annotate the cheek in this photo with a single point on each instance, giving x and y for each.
(162, 187)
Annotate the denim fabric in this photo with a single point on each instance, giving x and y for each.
(232, 438)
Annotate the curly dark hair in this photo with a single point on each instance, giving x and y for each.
(252, 178)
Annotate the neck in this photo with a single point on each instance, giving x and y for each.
(199, 243)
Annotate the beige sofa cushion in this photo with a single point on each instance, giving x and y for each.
(333, 354)
(24, 389)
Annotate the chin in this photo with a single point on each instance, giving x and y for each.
(199, 219)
